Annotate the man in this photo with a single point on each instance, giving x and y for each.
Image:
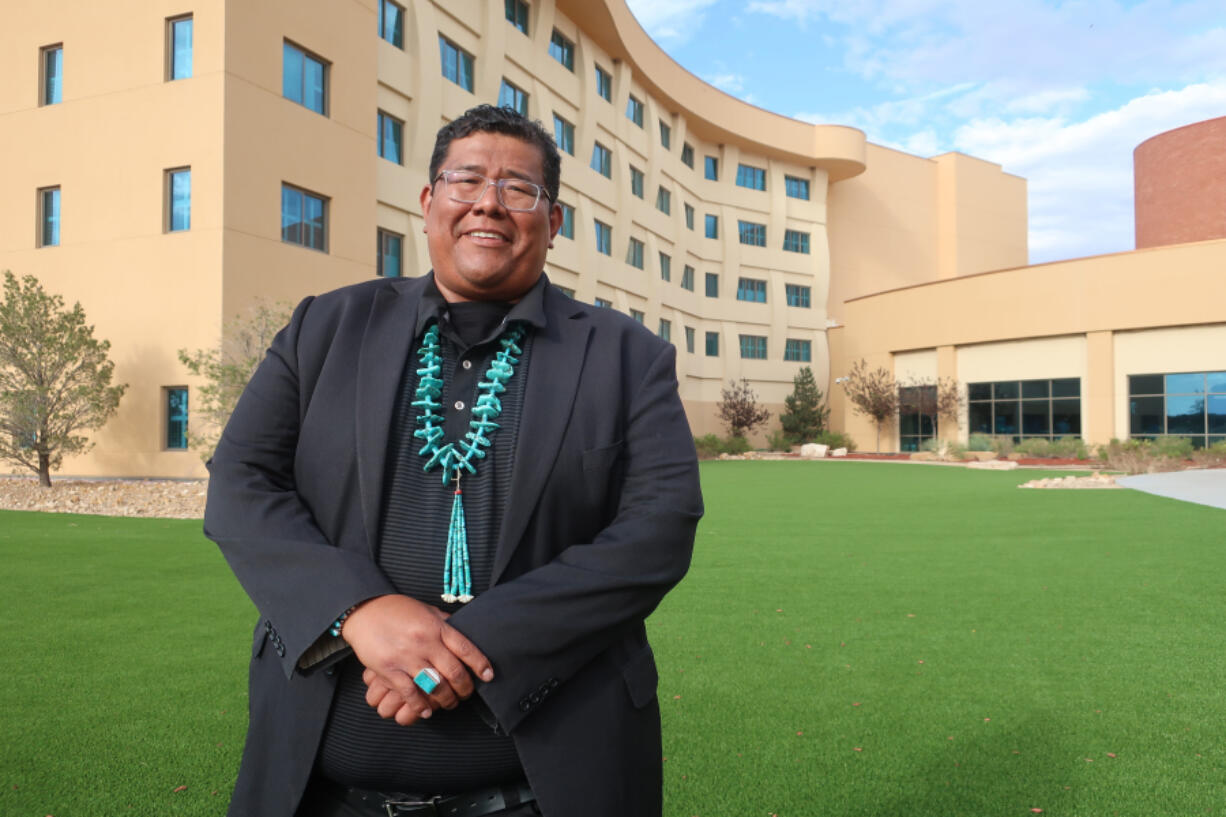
(454, 500)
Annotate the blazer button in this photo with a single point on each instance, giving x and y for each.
(553, 683)
(524, 705)
(281, 649)
(535, 697)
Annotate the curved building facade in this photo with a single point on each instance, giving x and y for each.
(1180, 185)
(197, 161)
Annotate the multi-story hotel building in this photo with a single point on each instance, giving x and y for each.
(169, 165)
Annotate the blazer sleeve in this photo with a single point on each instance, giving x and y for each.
(297, 579)
(545, 625)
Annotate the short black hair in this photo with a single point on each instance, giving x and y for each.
(491, 119)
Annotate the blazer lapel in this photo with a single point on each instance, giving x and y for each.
(385, 348)
(557, 357)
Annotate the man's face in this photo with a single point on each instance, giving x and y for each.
(482, 251)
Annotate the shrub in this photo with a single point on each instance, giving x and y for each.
(979, 442)
(836, 439)
(945, 449)
(1211, 457)
(735, 445)
(709, 446)
(1003, 446)
(1070, 447)
(1177, 448)
(1146, 456)
(778, 441)
(1034, 447)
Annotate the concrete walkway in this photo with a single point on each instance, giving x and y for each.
(1205, 487)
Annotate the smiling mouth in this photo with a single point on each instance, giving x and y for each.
(485, 235)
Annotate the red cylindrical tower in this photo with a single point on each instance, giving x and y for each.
(1180, 182)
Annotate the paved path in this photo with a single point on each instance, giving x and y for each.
(1205, 487)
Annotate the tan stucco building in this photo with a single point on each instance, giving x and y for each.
(168, 166)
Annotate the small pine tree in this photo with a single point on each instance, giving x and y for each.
(806, 416)
(739, 408)
(55, 378)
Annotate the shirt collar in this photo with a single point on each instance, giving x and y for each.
(530, 309)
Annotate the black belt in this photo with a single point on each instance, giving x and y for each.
(470, 804)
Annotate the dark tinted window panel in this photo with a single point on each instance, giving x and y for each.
(1145, 415)
(1006, 391)
(1036, 417)
(908, 423)
(980, 418)
(1066, 418)
(979, 391)
(1145, 384)
(1006, 418)
(1066, 387)
(1036, 388)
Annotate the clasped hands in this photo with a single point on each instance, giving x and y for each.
(395, 637)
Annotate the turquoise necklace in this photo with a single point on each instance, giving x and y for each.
(456, 457)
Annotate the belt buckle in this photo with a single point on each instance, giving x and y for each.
(392, 807)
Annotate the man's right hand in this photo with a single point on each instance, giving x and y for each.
(395, 637)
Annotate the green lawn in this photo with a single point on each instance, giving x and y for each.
(853, 639)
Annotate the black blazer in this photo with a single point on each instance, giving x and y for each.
(599, 526)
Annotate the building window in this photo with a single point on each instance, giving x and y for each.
(751, 233)
(602, 160)
(664, 200)
(457, 63)
(604, 84)
(751, 289)
(634, 253)
(568, 221)
(638, 316)
(603, 303)
(797, 350)
(711, 168)
(636, 181)
(712, 344)
(687, 155)
(178, 199)
(604, 238)
(179, 48)
(712, 226)
(753, 347)
(796, 241)
(53, 74)
(176, 418)
(666, 267)
(387, 264)
(797, 295)
(304, 79)
(917, 416)
(391, 22)
(1025, 408)
(666, 134)
(687, 278)
(304, 218)
(564, 134)
(510, 96)
(796, 188)
(689, 339)
(517, 14)
(391, 138)
(752, 177)
(666, 330)
(563, 50)
(1190, 404)
(49, 217)
(712, 284)
(689, 217)
(634, 110)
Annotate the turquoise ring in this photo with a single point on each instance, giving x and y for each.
(427, 680)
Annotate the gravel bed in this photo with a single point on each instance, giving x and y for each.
(167, 499)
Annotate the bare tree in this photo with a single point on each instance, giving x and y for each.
(873, 394)
(739, 408)
(226, 369)
(55, 378)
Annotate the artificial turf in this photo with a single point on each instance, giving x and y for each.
(853, 639)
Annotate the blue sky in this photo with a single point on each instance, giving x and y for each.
(1057, 92)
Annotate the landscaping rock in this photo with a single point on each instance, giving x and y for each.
(1095, 480)
(839, 452)
(993, 465)
(813, 450)
(924, 456)
(172, 499)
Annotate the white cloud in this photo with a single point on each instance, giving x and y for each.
(1080, 172)
(669, 22)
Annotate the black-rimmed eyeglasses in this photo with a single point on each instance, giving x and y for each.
(516, 195)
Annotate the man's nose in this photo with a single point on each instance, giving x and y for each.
(489, 200)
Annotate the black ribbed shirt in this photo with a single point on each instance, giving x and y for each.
(452, 751)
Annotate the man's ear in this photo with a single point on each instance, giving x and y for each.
(427, 198)
(555, 221)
